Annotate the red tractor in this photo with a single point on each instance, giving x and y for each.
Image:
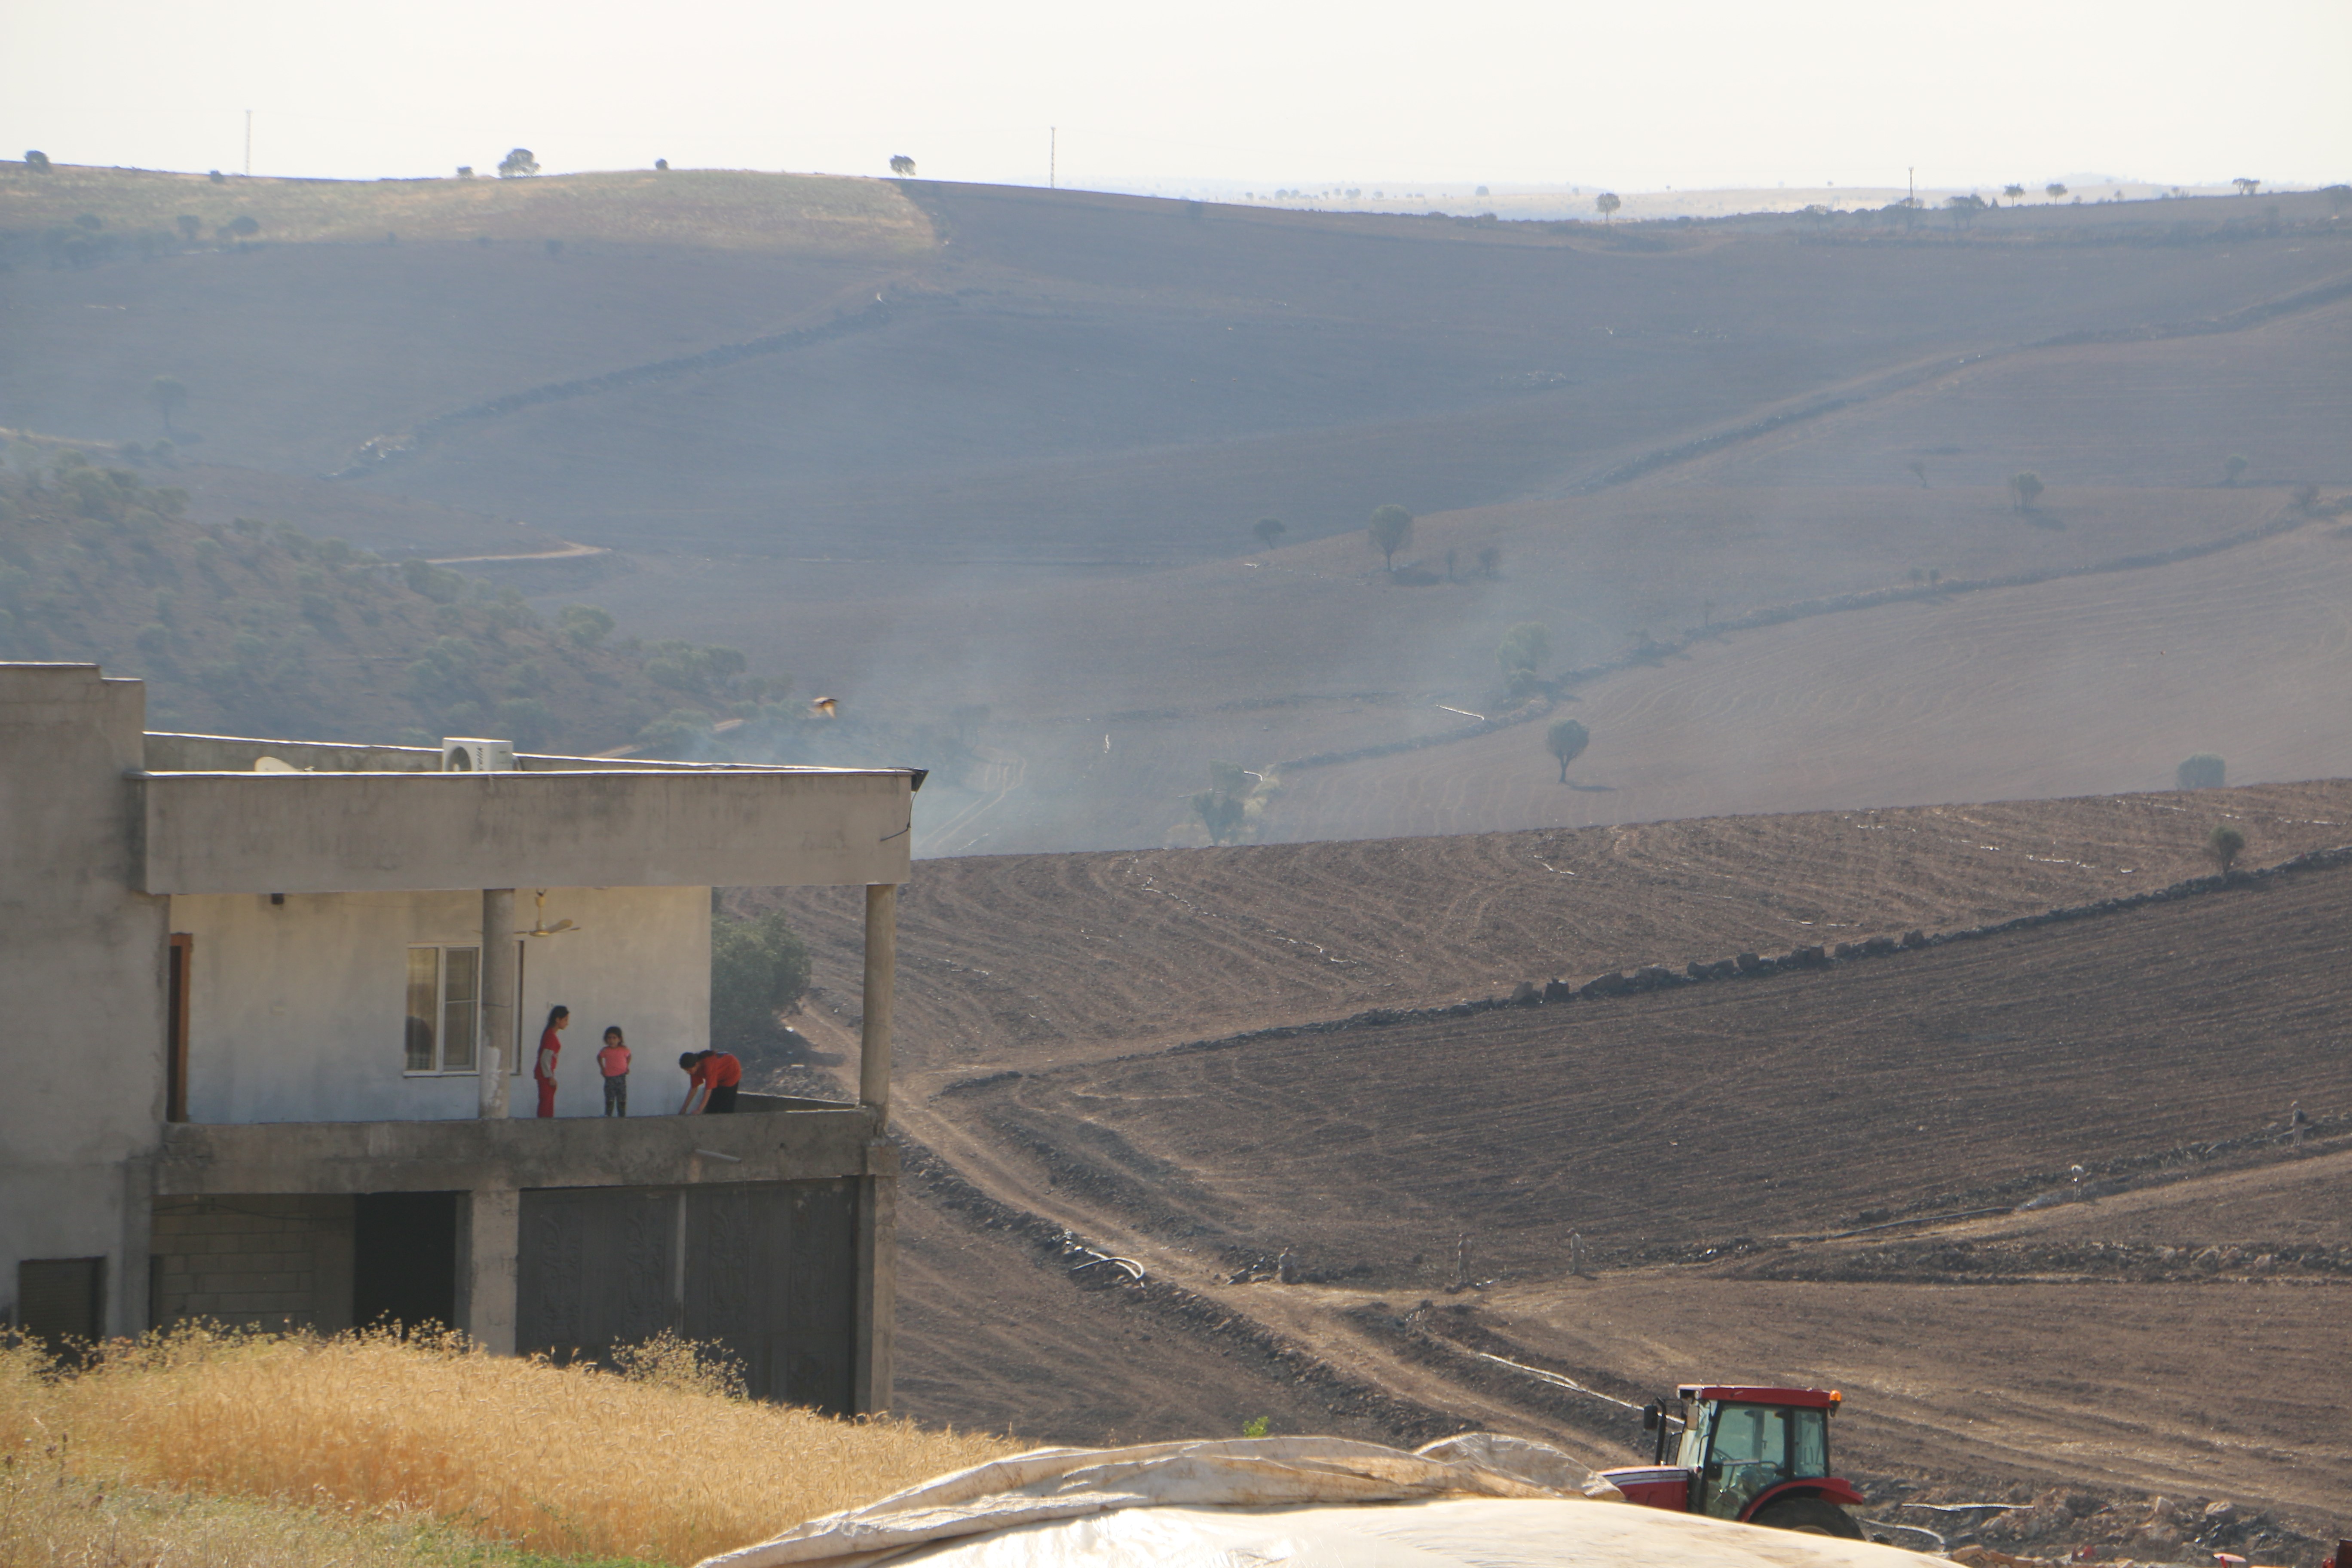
(1758, 1455)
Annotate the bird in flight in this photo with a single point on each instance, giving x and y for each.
(824, 706)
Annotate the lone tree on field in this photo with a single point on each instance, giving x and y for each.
(902, 164)
(2235, 468)
(1268, 529)
(2225, 843)
(191, 226)
(2015, 193)
(1608, 202)
(168, 396)
(2246, 187)
(2053, 190)
(1490, 561)
(2203, 770)
(1566, 739)
(1224, 806)
(2025, 489)
(1524, 646)
(1391, 527)
(37, 162)
(244, 227)
(518, 163)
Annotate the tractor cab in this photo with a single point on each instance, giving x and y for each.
(1758, 1455)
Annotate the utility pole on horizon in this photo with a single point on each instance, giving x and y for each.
(249, 143)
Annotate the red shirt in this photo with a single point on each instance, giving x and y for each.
(551, 1046)
(614, 1060)
(720, 1069)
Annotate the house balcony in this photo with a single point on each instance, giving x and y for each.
(770, 1138)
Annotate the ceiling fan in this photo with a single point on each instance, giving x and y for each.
(539, 926)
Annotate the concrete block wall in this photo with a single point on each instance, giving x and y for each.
(260, 1261)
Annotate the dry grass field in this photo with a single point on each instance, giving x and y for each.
(723, 209)
(2095, 683)
(662, 1465)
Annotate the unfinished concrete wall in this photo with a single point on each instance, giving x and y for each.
(82, 960)
(298, 1010)
(356, 832)
(257, 1260)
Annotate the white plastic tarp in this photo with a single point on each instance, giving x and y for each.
(1480, 1500)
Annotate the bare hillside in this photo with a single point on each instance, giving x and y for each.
(2092, 683)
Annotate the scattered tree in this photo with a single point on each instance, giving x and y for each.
(36, 161)
(757, 968)
(191, 227)
(1608, 202)
(2015, 193)
(168, 396)
(244, 227)
(1918, 471)
(518, 163)
(1490, 561)
(585, 624)
(217, 177)
(2246, 187)
(2053, 190)
(1391, 527)
(2235, 468)
(2225, 843)
(1524, 646)
(2025, 489)
(661, 165)
(1566, 740)
(902, 165)
(465, 171)
(1268, 529)
(2203, 770)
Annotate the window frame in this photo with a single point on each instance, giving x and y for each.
(441, 1005)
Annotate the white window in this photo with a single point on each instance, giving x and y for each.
(445, 1009)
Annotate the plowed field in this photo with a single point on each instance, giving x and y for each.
(1027, 960)
(1967, 1075)
(2165, 1318)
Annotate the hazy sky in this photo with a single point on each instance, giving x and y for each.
(1680, 92)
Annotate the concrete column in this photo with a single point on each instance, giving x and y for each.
(498, 1042)
(881, 973)
(489, 1235)
(878, 1279)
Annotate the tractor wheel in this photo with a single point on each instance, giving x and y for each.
(1809, 1516)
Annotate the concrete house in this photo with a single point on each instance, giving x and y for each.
(263, 1006)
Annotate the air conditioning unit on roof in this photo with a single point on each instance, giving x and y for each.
(468, 754)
